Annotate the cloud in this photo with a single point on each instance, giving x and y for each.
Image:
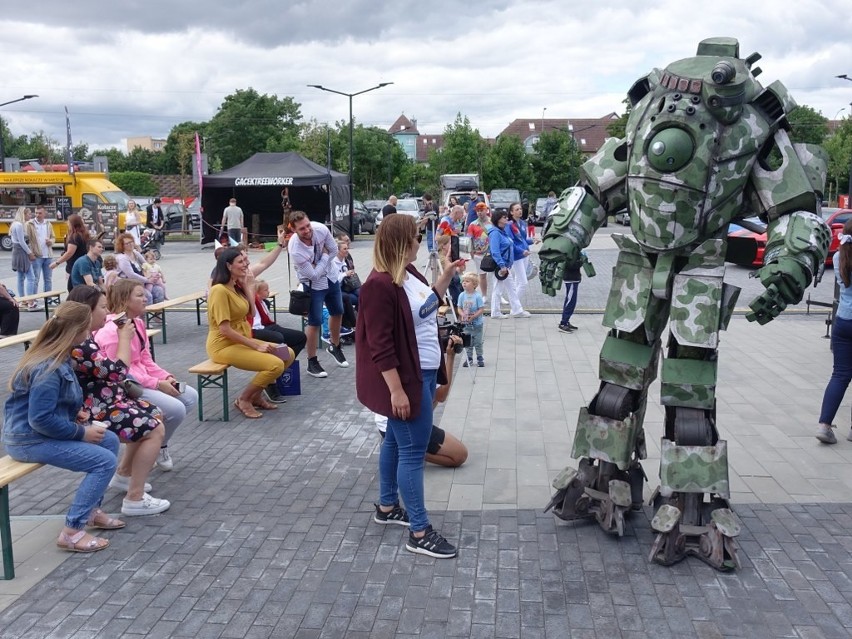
(141, 70)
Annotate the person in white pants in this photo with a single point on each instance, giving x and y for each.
(503, 253)
(521, 243)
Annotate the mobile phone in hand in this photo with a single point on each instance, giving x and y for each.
(454, 248)
(180, 387)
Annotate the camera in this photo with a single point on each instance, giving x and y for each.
(446, 329)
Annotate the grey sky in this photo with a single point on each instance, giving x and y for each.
(129, 68)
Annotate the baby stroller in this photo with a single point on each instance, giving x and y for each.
(151, 241)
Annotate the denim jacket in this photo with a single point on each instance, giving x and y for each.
(45, 408)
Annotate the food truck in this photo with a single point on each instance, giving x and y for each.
(101, 203)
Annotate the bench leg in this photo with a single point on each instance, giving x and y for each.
(198, 311)
(152, 315)
(151, 346)
(213, 381)
(6, 535)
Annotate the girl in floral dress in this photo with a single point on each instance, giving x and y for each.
(137, 423)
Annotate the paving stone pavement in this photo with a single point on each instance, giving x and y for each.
(270, 532)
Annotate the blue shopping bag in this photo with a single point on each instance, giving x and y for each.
(290, 381)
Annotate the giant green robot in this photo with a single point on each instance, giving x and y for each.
(705, 145)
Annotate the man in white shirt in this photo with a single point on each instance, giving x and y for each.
(312, 248)
(40, 234)
(232, 220)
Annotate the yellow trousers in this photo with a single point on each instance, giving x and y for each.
(269, 367)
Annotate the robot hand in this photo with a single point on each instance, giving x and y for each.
(557, 251)
(785, 282)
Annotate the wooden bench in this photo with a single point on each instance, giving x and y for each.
(10, 470)
(211, 375)
(27, 338)
(158, 311)
(49, 297)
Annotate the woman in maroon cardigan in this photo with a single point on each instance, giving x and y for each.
(399, 361)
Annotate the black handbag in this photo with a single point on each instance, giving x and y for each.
(488, 264)
(350, 283)
(300, 301)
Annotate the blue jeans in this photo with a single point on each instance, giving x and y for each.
(571, 289)
(25, 282)
(403, 455)
(841, 349)
(430, 238)
(41, 266)
(98, 461)
(330, 297)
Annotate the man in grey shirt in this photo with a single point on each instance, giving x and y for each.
(232, 220)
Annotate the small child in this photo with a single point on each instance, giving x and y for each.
(472, 306)
(110, 271)
(154, 273)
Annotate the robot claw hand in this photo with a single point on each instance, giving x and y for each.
(785, 282)
(556, 253)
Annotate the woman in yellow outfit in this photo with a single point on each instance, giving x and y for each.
(229, 339)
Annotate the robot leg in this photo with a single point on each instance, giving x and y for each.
(693, 516)
(609, 441)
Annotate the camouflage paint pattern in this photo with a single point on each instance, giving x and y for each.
(688, 382)
(629, 364)
(726, 522)
(787, 188)
(605, 439)
(619, 493)
(665, 518)
(631, 286)
(694, 469)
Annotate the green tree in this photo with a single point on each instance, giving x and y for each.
(618, 128)
(134, 182)
(556, 161)
(315, 139)
(377, 160)
(116, 158)
(463, 149)
(809, 126)
(144, 161)
(839, 149)
(507, 165)
(247, 123)
(172, 150)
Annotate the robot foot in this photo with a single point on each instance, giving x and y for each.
(576, 498)
(714, 543)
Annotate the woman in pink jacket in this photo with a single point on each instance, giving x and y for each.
(159, 386)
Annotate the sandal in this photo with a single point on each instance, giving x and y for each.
(261, 402)
(251, 413)
(74, 543)
(100, 520)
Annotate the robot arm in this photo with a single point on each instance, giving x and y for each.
(582, 210)
(797, 238)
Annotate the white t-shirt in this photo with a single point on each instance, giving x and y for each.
(424, 307)
(337, 269)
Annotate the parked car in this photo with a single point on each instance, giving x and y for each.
(502, 199)
(175, 213)
(374, 206)
(365, 220)
(406, 205)
(835, 218)
(747, 242)
(622, 217)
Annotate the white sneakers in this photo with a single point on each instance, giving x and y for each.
(146, 506)
(522, 314)
(123, 483)
(164, 460)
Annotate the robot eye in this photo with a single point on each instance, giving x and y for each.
(670, 150)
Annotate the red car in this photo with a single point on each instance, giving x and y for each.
(835, 218)
(746, 242)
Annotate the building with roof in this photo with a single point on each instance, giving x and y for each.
(589, 133)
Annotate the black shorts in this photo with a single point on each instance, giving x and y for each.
(436, 439)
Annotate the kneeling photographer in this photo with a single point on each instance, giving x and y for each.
(444, 449)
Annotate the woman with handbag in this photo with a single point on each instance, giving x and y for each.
(109, 398)
(229, 337)
(159, 387)
(502, 250)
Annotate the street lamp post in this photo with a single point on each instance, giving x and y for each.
(849, 191)
(2, 144)
(351, 144)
